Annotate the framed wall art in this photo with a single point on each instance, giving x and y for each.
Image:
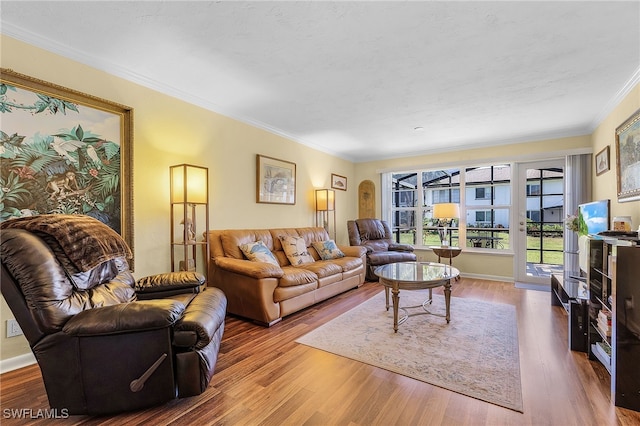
(602, 161)
(338, 182)
(628, 158)
(64, 151)
(276, 181)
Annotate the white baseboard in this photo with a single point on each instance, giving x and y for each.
(488, 277)
(530, 286)
(17, 362)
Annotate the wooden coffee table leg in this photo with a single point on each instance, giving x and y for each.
(447, 299)
(386, 297)
(395, 294)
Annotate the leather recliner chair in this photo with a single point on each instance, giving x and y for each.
(104, 342)
(375, 235)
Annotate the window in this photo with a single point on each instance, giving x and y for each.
(488, 215)
(545, 206)
(483, 193)
(533, 189)
(483, 216)
(533, 215)
(404, 200)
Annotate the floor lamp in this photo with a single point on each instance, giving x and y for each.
(189, 196)
(445, 212)
(325, 207)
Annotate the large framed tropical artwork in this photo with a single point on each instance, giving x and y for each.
(628, 158)
(63, 151)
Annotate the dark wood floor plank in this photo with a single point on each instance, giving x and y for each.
(263, 377)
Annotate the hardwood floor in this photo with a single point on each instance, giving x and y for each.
(264, 378)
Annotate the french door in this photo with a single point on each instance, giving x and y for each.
(539, 243)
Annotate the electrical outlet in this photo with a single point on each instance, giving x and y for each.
(13, 329)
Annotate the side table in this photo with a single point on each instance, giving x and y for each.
(448, 252)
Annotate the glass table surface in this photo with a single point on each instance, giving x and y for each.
(416, 272)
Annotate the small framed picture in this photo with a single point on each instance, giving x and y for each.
(338, 182)
(602, 161)
(276, 181)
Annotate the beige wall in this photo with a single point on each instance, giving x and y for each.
(494, 266)
(168, 131)
(605, 185)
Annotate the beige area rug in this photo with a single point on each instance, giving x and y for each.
(476, 354)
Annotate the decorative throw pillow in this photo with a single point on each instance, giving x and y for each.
(258, 252)
(296, 250)
(327, 249)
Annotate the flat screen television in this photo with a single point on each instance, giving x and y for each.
(593, 217)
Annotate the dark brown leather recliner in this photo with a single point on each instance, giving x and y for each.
(375, 235)
(104, 342)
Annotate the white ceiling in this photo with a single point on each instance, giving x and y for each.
(355, 78)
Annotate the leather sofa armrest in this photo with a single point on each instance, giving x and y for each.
(125, 317)
(170, 283)
(201, 320)
(400, 247)
(249, 268)
(368, 248)
(353, 251)
(374, 246)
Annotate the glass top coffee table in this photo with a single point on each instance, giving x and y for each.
(415, 276)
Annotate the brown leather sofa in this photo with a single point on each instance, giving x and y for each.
(266, 292)
(375, 235)
(104, 342)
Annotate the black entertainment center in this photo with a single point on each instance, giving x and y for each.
(603, 304)
(602, 299)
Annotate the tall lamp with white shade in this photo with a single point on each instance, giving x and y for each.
(326, 207)
(189, 196)
(445, 213)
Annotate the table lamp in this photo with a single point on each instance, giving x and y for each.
(445, 212)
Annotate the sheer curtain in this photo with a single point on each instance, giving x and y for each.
(577, 190)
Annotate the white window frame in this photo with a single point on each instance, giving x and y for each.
(387, 207)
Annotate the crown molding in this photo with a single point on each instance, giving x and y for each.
(92, 61)
(31, 38)
(615, 100)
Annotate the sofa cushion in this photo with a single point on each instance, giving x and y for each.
(371, 229)
(376, 245)
(348, 263)
(296, 250)
(327, 250)
(286, 293)
(382, 258)
(232, 239)
(323, 268)
(296, 276)
(258, 252)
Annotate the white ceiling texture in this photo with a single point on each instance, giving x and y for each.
(355, 79)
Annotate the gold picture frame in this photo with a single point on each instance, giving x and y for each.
(65, 151)
(628, 158)
(602, 161)
(338, 182)
(275, 181)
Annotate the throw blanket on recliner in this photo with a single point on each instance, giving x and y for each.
(86, 241)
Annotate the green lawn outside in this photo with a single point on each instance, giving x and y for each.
(553, 246)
